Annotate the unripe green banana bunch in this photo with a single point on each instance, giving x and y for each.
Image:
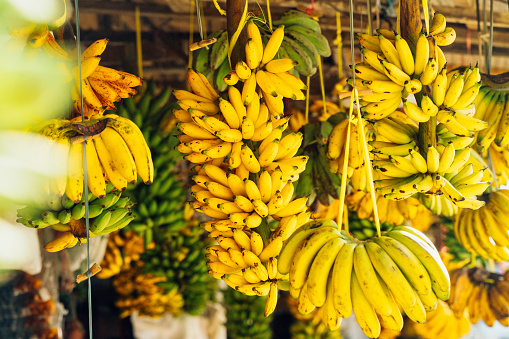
(106, 215)
(363, 229)
(457, 253)
(242, 310)
(164, 209)
(484, 231)
(302, 45)
(331, 269)
(482, 293)
(180, 258)
(336, 151)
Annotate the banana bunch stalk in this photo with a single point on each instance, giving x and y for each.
(389, 211)
(328, 268)
(140, 293)
(107, 215)
(485, 231)
(247, 166)
(484, 294)
(244, 316)
(443, 323)
(303, 43)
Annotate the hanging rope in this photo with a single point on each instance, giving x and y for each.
(269, 16)
(191, 30)
(85, 181)
(490, 47)
(139, 55)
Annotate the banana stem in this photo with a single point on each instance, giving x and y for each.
(427, 130)
(234, 11)
(264, 231)
(410, 21)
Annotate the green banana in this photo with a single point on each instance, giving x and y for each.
(316, 38)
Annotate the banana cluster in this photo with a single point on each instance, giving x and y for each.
(271, 75)
(108, 214)
(407, 170)
(303, 44)
(491, 106)
(121, 250)
(112, 262)
(140, 293)
(364, 229)
(485, 231)
(484, 294)
(389, 211)
(439, 205)
(443, 323)
(247, 166)
(336, 152)
(244, 316)
(101, 86)
(330, 269)
(116, 155)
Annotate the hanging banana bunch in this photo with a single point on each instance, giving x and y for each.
(445, 102)
(329, 268)
(246, 165)
(107, 214)
(482, 293)
(485, 231)
(244, 316)
(443, 323)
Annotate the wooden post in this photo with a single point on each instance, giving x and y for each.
(234, 10)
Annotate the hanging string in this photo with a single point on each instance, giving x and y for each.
(85, 181)
(490, 47)
(370, 18)
(307, 100)
(139, 55)
(191, 30)
(269, 15)
(198, 16)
